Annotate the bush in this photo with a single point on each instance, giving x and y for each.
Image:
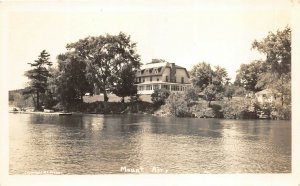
(177, 105)
(159, 96)
(202, 110)
(276, 111)
(240, 109)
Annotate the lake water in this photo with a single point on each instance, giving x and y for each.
(105, 144)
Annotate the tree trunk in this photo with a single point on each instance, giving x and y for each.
(37, 100)
(104, 92)
(209, 103)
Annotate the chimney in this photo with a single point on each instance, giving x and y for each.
(173, 73)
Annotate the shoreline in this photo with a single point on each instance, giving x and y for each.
(142, 113)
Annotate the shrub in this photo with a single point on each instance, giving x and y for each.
(240, 109)
(177, 105)
(159, 96)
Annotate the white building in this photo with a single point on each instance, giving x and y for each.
(266, 96)
(157, 75)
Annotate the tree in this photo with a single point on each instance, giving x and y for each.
(210, 93)
(210, 82)
(201, 75)
(229, 91)
(38, 76)
(190, 95)
(176, 105)
(277, 49)
(159, 96)
(105, 57)
(248, 75)
(71, 80)
(219, 78)
(125, 83)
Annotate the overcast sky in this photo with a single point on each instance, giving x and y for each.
(183, 33)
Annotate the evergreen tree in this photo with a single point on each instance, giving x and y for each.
(38, 76)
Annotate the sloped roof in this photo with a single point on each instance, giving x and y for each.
(155, 69)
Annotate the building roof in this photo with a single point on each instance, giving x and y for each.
(155, 69)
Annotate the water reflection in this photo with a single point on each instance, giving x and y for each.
(98, 144)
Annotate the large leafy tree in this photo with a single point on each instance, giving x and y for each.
(277, 49)
(105, 56)
(201, 75)
(210, 81)
(71, 82)
(38, 76)
(124, 85)
(248, 75)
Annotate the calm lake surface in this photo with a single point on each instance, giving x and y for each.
(104, 144)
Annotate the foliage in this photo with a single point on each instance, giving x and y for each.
(71, 81)
(201, 75)
(105, 57)
(38, 76)
(210, 82)
(277, 48)
(210, 93)
(245, 108)
(176, 105)
(239, 91)
(190, 95)
(229, 91)
(201, 110)
(21, 101)
(125, 83)
(219, 78)
(159, 96)
(248, 75)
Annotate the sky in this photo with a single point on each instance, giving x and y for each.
(182, 32)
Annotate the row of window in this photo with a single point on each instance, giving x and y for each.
(168, 87)
(155, 70)
(140, 80)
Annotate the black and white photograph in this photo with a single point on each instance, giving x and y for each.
(155, 89)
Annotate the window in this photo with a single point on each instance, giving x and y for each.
(167, 78)
(143, 79)
(150, 79)
(155, 87)
(182, 79)
(166, 87)
(157, 79)
(140, 79)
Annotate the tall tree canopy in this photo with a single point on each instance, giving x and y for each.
(248, 75)
(124, 85)
(277, 49)
(38, 76)
(105, 56)
(201, 75)
(71, 82)
(210, 82)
